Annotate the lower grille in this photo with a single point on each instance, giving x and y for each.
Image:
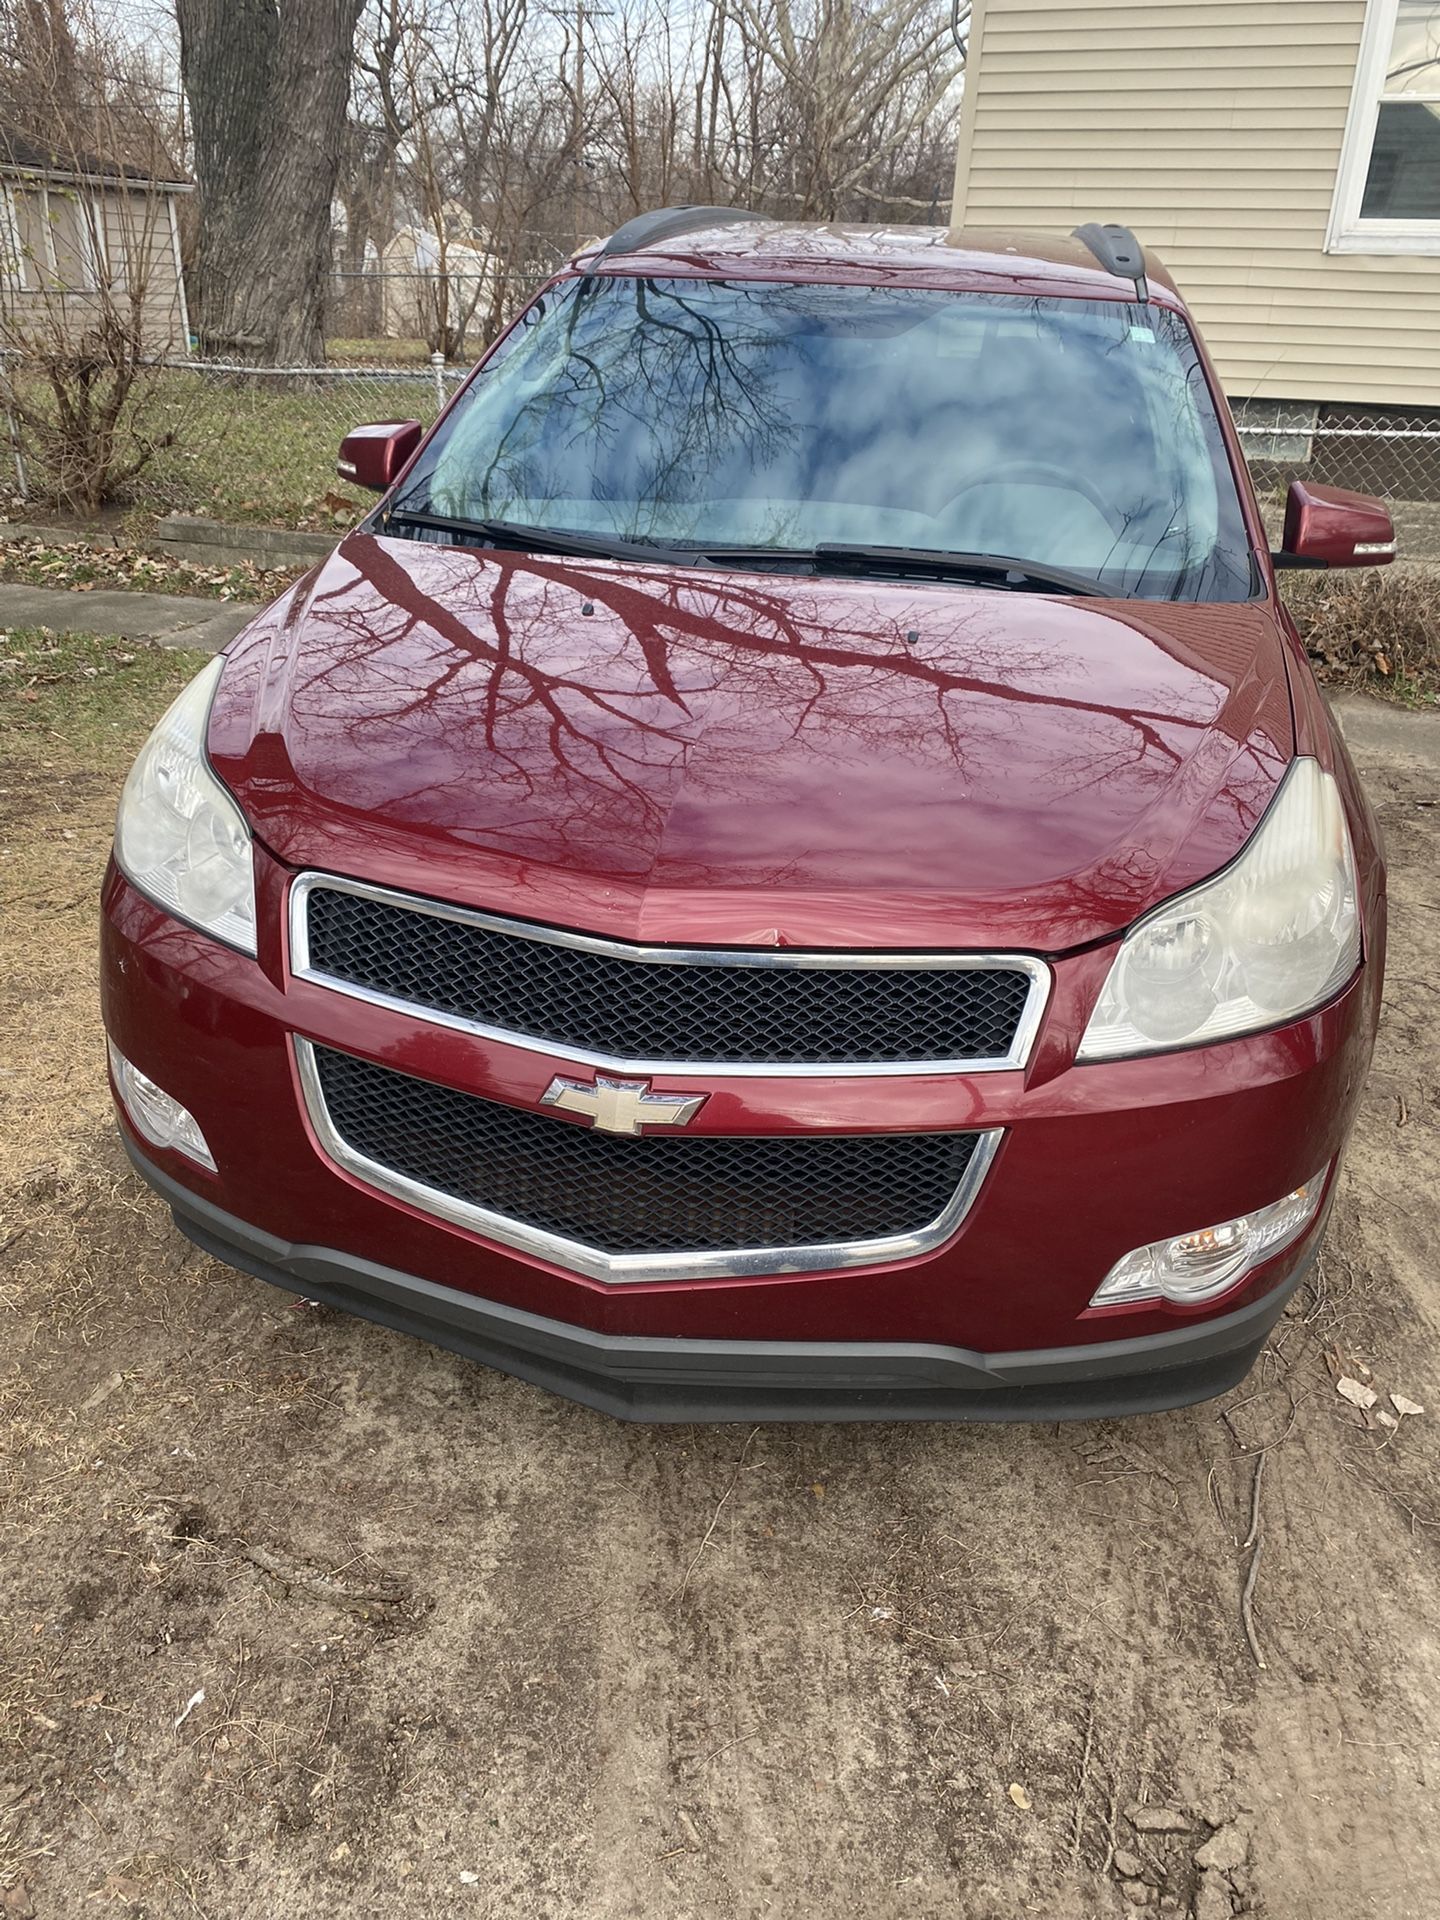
(646, 1196)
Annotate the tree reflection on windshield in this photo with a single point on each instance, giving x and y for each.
(1070, 433)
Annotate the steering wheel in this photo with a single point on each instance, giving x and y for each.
(1040, 473)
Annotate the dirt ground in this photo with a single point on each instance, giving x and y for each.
(300, 1618)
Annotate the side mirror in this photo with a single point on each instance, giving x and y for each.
(373, 456)
(1328, 527)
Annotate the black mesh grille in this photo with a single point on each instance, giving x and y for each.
(646, 1193)
(632, 1010)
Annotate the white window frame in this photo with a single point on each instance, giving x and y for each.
(90, 221)
(51, 280)
(12, 265)
(1347, 232)
(89, 238)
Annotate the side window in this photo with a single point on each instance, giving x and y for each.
(75, 238)
(1387, 196)
(31, 236)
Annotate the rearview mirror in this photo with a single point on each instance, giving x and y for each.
(373, 456)
(1328, 527)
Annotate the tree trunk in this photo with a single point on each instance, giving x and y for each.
(267, 85)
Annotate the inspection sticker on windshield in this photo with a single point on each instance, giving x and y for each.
(1143, 333)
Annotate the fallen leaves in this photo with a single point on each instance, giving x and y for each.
(1367, 629)
(1352, 1379)
(1405, 1409)
(1356, 1392)
(82, 568)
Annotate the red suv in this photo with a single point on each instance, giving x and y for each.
(793, 867)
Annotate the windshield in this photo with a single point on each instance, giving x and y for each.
(1074, 434)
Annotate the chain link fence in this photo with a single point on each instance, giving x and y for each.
(248, 443)
(259, 443)
(421, 388)
(1391, 452)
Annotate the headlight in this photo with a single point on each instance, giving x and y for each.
(179, 837)
(1273, 936)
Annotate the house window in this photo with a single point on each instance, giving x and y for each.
(75, 239)
(26, 239)
(1387, 197)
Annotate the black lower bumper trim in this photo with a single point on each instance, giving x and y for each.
(641, 1378)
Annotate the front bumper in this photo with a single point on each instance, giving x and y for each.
(659, 1379)
(1092, 1162)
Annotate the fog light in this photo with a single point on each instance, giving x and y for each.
(154, 1115)
(1196, 1266)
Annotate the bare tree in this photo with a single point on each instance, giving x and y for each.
(548, 124)
(862, 82)
(383, 109)
(267, 82)
(518, 145)
(449, 284)
(828, 109)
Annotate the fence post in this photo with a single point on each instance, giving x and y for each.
(437, 364)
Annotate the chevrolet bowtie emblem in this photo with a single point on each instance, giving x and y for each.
(622, 1106)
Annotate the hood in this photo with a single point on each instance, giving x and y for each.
(715, 757)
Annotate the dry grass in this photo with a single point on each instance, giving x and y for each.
(73, 709)
(1376, 630)
(100, 1426)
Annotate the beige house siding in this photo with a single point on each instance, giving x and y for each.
(1213, 128)
(64, 238)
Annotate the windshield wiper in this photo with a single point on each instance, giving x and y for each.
(1024, 575)
(828, 557)
(528, 539)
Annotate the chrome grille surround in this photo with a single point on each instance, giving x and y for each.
(631, 1268)
(777, 958)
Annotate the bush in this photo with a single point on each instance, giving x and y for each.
(83, 406)
(1378, 629)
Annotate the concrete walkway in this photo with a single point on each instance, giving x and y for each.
(172, 619)
(1375, 730)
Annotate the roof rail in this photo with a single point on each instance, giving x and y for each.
(1117, 250)
(667, 223)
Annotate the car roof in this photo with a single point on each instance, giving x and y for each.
(974, 259)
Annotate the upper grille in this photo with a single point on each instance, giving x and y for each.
(561, 992)
(642, 1194)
